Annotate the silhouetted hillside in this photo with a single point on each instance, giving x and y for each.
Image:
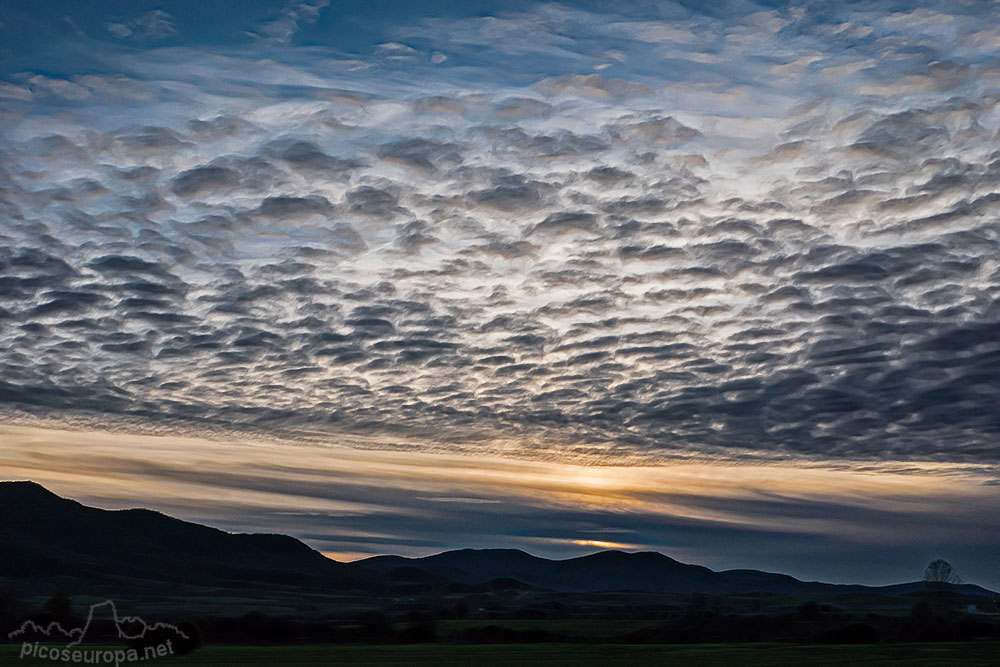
(46, 536)
(49, 538)
(617, 570)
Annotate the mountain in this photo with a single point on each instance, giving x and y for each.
(45, 536)
(48, 538)
(617, 570)
(605, 570)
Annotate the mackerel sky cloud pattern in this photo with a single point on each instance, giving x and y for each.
(757, 231)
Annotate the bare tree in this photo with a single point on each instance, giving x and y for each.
(940, 571)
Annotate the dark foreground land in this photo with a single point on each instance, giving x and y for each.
(556, 655)
(269, 599)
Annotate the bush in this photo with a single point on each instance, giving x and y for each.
(59, 606)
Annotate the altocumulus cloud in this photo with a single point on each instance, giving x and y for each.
(762, 232)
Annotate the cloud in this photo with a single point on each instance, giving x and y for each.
(594, 85)
(152, 26)
(419, 153)
(739, 240)
(289, 21)
(306, 155)
(199, 179)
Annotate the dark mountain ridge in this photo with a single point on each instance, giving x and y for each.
(648, 571)
(45, 537)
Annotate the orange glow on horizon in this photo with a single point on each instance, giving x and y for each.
(346, 556)
(251, 486)
(602, 544)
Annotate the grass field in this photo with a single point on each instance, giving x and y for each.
(557, 655)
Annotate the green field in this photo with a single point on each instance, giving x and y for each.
(556, 655)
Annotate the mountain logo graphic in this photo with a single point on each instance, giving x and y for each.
(55, 629)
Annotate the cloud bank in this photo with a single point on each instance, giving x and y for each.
(553, 232)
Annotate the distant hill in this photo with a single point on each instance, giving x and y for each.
(52, 539)
(617, 570)
(45, 536)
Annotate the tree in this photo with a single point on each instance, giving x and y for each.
(940, 571)
(59, 606)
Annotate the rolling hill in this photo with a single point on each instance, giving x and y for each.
(47, 537)
(51, 540)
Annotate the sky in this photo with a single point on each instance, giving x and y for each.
(715, 279)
